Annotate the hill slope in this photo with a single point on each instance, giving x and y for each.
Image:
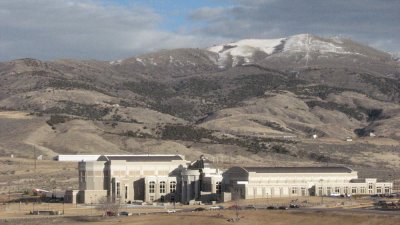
(259, 101)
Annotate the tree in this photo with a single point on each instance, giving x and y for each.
(236, 198)
(107, 205)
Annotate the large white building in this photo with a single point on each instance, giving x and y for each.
(171, 178)
(263, 182)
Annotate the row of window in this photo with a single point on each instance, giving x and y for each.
(333, 190)
(172, 187)
(361, 190)
(218, 187)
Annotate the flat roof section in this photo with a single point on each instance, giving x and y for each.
(143, 158)
(298, 169)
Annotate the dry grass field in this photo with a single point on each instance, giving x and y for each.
(19, 174)
(247, 217)
(259, 218)
(333, 211)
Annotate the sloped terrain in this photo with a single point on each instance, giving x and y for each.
(254, 101)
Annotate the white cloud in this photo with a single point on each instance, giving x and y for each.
(91, 29)
(367, 21)
(208, 13)
(49, 29)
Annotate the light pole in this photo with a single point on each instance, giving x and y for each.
(91, 205)
(9, 191)
(254, 194)
(322, 191)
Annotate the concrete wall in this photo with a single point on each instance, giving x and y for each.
(369, 187)
(91, 175)
(168, 195)
(132, 176)
(72, 196)
(94, 196)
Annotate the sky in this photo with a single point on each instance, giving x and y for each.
(117, 29)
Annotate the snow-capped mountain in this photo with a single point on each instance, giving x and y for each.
(307, 47)
(289, 53)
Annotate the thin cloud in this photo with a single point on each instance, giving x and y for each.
(83, 29)
(97, 29)
(368, 21)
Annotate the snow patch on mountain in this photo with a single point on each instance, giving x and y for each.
(308, 43)
(141, 61)
(116, 62)
(243, 50)
(395, 56)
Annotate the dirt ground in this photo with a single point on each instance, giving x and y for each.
(327, 211)
(258, 218)
(247, 217)
(17, 209)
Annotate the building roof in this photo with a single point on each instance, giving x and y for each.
(358, 180)
(76, 158)
(298, 169)
(141, 158)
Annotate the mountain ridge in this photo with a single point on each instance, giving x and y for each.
(184, 100)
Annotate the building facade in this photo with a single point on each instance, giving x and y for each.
(171, 178)
(129, 178)
(264, 182)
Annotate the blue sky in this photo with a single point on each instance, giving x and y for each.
(175, 13)
(115, 29)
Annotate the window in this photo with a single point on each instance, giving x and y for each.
(337, 190)
(303, 191)
(354, 190)
(346, 190)
(387, 190)
(113, 187)
(379, 190)
(172, 187)
(320, 191)
(126, 192)
(328, 190)
(83, 176)
(294, 190)
(118, 190)
(370, 188)
(362, 190)
(151, 186)
(162, 187)
(218, 187)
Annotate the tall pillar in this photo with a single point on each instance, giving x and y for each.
(189, 189)
(196, 187)
(189, 176)
(213, 186)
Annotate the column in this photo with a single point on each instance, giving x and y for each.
(196, 187)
